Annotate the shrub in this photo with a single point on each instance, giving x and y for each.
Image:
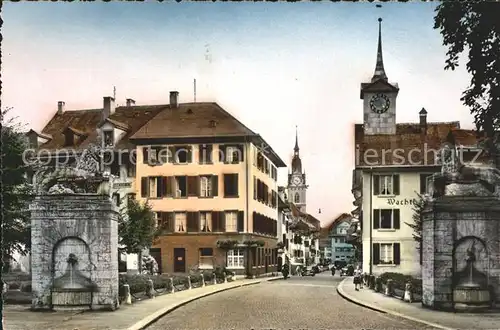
(400, 280)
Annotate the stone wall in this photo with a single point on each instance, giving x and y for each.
(85, 225)
(446, 220)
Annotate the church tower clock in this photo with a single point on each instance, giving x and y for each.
(297, 188)
(379, 98)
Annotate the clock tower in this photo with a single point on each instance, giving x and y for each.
(379, 98)
(296, 188)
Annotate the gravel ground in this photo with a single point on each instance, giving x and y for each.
(297, 303)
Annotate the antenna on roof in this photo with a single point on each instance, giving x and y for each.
(114, 93)
(194, 83)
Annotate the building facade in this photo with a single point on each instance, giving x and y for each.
(393, 162)
(341, 249)
(213, 185)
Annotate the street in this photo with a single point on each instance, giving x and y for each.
(297, 303)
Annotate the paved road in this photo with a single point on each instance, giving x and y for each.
(297, 303)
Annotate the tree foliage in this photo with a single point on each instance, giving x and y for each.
(137, 227)
(474, 27)
(16, 192)
(416, 224)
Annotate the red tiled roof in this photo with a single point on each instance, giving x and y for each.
(383, 150)
(337, 220)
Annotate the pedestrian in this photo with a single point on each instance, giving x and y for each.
(357, 278)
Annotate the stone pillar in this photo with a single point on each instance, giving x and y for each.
(150, 291)
(128, 296)
(202, 280)
(79, 232)
(172, 287)
(189, 282)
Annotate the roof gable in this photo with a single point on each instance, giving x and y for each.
(192, 120)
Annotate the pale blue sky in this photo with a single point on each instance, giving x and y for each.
(272, 65)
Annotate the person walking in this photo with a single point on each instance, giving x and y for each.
(357, 278)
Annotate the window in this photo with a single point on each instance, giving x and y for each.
(182, 155)
(205, 154)
(206, 260)
(180, 222)
(386, 185)
(205, 186)
(386, 219)
(235, 258)
(108, 138)
(231, 185)
(153, 187)
(129, 160)
(115, 168)
(231, 221)
(231, 155)
(130, 197)
(296, 199)
(424, 183)
(386, 253)
(206, 221)
(180, 186)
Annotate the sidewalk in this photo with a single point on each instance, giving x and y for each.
(129, 317)
(415, 312)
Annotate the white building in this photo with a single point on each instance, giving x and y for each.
(393, 162)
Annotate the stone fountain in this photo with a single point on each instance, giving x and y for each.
(74, 238)
(461, 236)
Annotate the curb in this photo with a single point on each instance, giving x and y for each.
(148, 320)
(353, 300)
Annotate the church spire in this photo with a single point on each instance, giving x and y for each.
(379, 67)
(296, 149)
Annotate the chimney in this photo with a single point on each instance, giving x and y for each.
(108, 107)
(174, 99)
(423, 120)
(60, 107)
(130, 102)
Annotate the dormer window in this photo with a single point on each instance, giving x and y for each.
(108, 138)
(69, 138)
(73, 136)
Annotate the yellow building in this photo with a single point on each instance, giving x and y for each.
(213, 183)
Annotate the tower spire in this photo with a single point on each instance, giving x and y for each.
(379, 67)
(296, 149)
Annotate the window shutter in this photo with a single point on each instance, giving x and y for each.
(169, 186)
(192, 184)
(198, 185)
(222, 221)
(236, 184)
(241, 221)
(222, 153)
(241, 153)
(215, 185)
(171, 154)
(254, 188)
(215, 221)
(159, 186)
(423, 181)
(164, 184)
(144, 187)
(376, 219)
(202, 153)
(396, 250)
(376, 254)
(226, 184)
(192, 223)
(189, 154)
(395, 219)
(145, 155)
(376, 185)
(395, 183)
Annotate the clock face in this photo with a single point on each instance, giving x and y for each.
(379, 103)
(296, 180)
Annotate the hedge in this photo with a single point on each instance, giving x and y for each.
(400, 280)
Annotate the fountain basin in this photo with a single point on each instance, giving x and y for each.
(471, 298)
(71, 299)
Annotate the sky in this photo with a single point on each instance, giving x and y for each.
(274, 66)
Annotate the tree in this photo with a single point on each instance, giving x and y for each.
(137, 227)
(16, 192)
(474, 27)
(416, 224)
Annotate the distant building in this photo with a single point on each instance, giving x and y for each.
(341, 250)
